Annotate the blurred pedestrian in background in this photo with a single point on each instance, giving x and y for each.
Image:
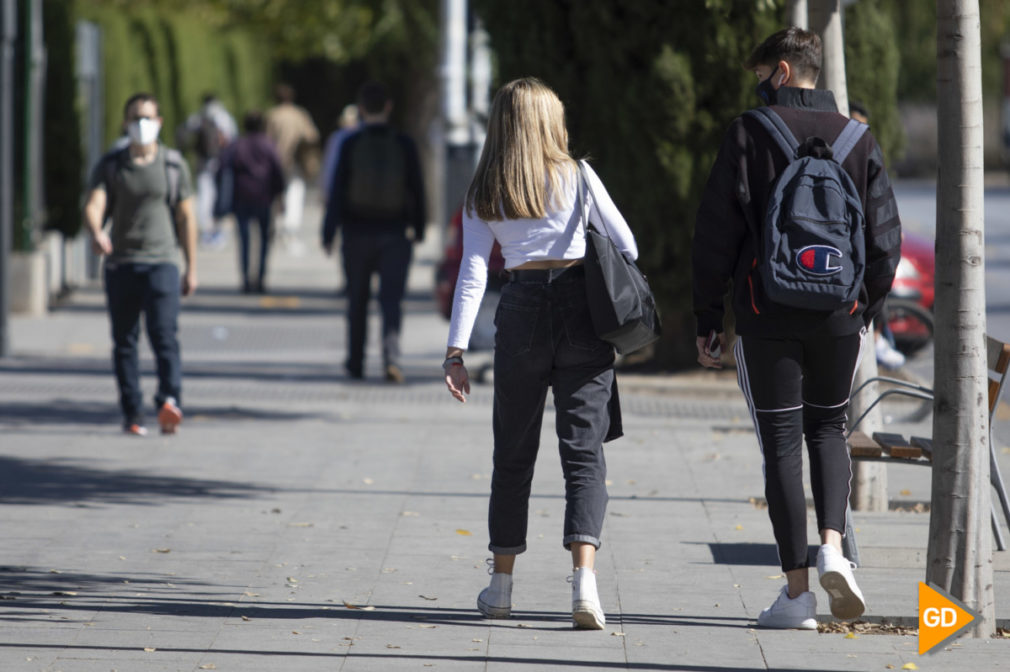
(253, 169)
(349, 121)
(208, 131)
(297, 141)
(534, 199)
(377, 194)
(146, 190)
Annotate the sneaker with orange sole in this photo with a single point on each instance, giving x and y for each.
(169, 416)
(135, 429)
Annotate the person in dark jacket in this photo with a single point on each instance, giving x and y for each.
(794, 366)
(376, 196)
(258, 179)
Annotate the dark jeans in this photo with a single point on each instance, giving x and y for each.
(795, 388)
(545, 338)
(152, 289)
(365, 255)
(243, 216)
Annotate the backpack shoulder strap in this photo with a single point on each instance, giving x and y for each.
(173, 172)
(777, 129)
(847, 139)
(110, 163)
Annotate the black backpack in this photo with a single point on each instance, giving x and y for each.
(377, 185)
(811, 243)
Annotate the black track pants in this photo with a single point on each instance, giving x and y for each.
(796, 388)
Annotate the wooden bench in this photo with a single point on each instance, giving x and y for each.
(887, 447)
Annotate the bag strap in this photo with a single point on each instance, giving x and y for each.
(847, 139)
(776, 128)
(584, 180)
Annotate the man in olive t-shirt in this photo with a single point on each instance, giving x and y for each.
(147, 191)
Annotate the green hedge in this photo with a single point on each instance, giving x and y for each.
(62, 133)
(177, 57)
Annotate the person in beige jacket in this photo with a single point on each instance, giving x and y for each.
(295, 136)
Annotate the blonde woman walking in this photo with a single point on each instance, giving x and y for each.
(528, 194)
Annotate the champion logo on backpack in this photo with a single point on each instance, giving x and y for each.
(817, 259)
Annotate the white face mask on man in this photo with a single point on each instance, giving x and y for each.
(143, 131)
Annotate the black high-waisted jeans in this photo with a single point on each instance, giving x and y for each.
(545, 338)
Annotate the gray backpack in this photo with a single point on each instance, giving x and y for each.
(811, 244)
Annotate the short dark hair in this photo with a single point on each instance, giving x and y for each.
(253, 122)
(372, 97)
(209, 97)
(284, 93)
(856, 107)
(799, 48)
(141, 97)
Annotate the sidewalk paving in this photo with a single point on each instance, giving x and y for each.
(302, 521)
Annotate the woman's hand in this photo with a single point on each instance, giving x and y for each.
(458, 381)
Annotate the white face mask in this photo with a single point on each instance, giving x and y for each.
(143, 131)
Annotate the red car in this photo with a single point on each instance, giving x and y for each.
(910, 303)
(448, 269)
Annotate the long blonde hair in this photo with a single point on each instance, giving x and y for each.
(525, 154)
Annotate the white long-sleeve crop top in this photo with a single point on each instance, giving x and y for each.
(559, 235)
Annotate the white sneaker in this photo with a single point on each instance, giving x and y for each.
(586, 610)
(495, 601)
(798, 613)
(887, 356)
(837, 580)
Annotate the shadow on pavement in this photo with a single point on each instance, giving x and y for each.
(293, 301)
(52, 481)
(69, 412)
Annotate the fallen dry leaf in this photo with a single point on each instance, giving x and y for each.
(208, 666)
(246, 618)
(392, 646)
(425, 597)
(367, 481)
(150, 649)
(161, 550)
(355, 606)
(477, 639)
(65, 593)
(738, 527)
(427, 626)
(905, 493)
(301, 524)
(410, 514)
(618, 634)
(774, 576)
(910, 666)
(464, 533)
(852, 635)
(248, 594)
(523, 625)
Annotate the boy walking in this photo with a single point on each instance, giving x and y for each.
(377, 194)
(796, 358)
(147, 191)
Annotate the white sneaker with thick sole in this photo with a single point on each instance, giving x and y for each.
(495, 601)
(835, 572)
(586, 610)
(799, 613)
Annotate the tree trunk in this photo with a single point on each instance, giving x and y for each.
(959, 558)
(869, 479)
(796, 14)
(826, 21)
